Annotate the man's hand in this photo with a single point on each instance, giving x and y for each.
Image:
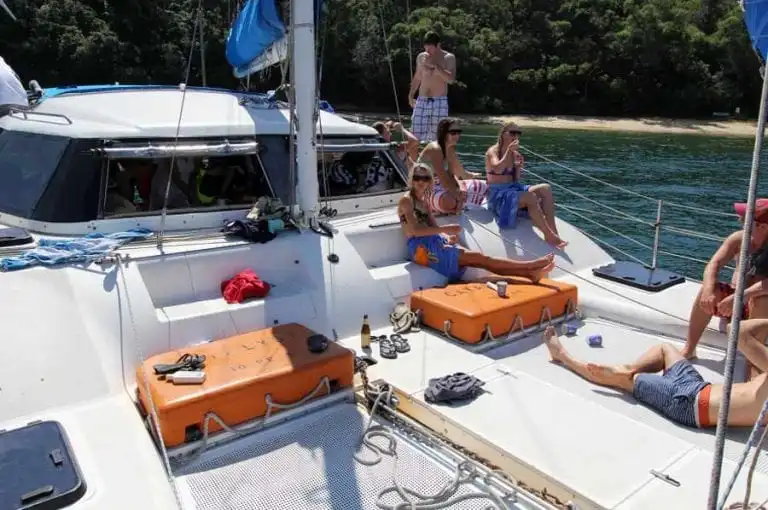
(725, 307)
(412, 102)
(708, 301)
(396, 126)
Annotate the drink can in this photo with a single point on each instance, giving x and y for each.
(595, 340)
(501, 288)
(569, 329)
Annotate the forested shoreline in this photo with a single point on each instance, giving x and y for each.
(670, 58)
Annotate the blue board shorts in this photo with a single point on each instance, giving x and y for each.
(674, 394)
(435, 253)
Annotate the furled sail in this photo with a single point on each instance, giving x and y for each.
(756, 19)
(257, 39)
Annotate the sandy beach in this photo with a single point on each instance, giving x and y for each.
(714, 126)
(639, 125)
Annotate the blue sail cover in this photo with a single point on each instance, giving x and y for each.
(255, 29)
(756, 19)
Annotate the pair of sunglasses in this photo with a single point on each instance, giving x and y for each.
(454, 131)
(422, 178)
(513, 133)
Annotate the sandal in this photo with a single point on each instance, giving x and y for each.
(387, 349)
(378, 338)
(401, 344)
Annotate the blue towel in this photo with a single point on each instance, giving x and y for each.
(433, 252)
(504, 202)
(51, 252)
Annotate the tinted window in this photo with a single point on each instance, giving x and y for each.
(27, 162)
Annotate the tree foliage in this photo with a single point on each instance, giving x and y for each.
(592, 57)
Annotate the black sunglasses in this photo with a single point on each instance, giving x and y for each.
(454, 131)
(423, 178)
(513, 133)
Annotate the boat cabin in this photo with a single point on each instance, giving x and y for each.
(99, 158)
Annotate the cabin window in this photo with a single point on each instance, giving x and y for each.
(348, 174)
(27, 163)
(135, 186)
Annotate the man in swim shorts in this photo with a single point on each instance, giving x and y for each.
(435, 70)
(716, 298)
(679, 392)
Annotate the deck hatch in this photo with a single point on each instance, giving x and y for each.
(38, 468)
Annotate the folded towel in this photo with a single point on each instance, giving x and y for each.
(52, 252)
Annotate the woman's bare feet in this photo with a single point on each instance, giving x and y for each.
(555, 241)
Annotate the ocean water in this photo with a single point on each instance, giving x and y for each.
(709, 173)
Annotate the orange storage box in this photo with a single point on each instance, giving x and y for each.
(470, 307)
(240, 371)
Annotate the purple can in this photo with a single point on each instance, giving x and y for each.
(570, 329)
(595, 340)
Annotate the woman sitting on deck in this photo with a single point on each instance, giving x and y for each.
(508, 197)
(454, 187)
(436, 246)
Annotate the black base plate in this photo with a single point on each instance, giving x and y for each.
(639, 276)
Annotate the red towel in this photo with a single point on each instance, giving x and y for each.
(245, 285)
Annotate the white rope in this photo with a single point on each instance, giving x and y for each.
(752, 466)
(446, 497)
(745, 453)
(178, 126)
(389, 59)
(154, 420)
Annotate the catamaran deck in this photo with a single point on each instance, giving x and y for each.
(598, 444)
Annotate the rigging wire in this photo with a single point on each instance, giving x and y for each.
(389, 59)
(178, 125)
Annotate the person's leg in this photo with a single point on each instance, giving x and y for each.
(420, 119)
(535, 270)
(613, 377)
(433, 118)
(530, 201)
(698, 322)
(544, 192)
(752, 335)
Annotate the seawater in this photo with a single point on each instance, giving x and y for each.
(708, 172)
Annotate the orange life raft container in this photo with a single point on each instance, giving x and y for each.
(240, 372)
(465, 310)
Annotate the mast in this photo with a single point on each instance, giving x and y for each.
(303, 80)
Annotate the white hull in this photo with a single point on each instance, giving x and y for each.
(73, 337)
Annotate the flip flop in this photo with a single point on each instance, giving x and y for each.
(378, 338)
(387, 349)
(401, 344)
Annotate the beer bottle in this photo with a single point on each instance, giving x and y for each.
(365, 334)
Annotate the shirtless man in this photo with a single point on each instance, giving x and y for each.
(435, 70)
(679, 392)
(716, 298)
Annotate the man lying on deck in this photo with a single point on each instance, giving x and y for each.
(679, 392)
(716, 297)
(436, 246)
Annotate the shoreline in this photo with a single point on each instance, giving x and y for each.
(713, 127)
(737, 128)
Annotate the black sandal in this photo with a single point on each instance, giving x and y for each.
(401, 344)
(387, 349)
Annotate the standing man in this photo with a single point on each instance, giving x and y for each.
(435, 70)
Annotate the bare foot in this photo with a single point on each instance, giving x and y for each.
(556, 241)
(688, 353)
(537, 274)
(610, 376)
(553, 344)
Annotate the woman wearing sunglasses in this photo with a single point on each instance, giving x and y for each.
(435, 246)
(508, 197)
(454, 187)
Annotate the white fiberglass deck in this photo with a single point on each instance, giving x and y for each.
(596, 442)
